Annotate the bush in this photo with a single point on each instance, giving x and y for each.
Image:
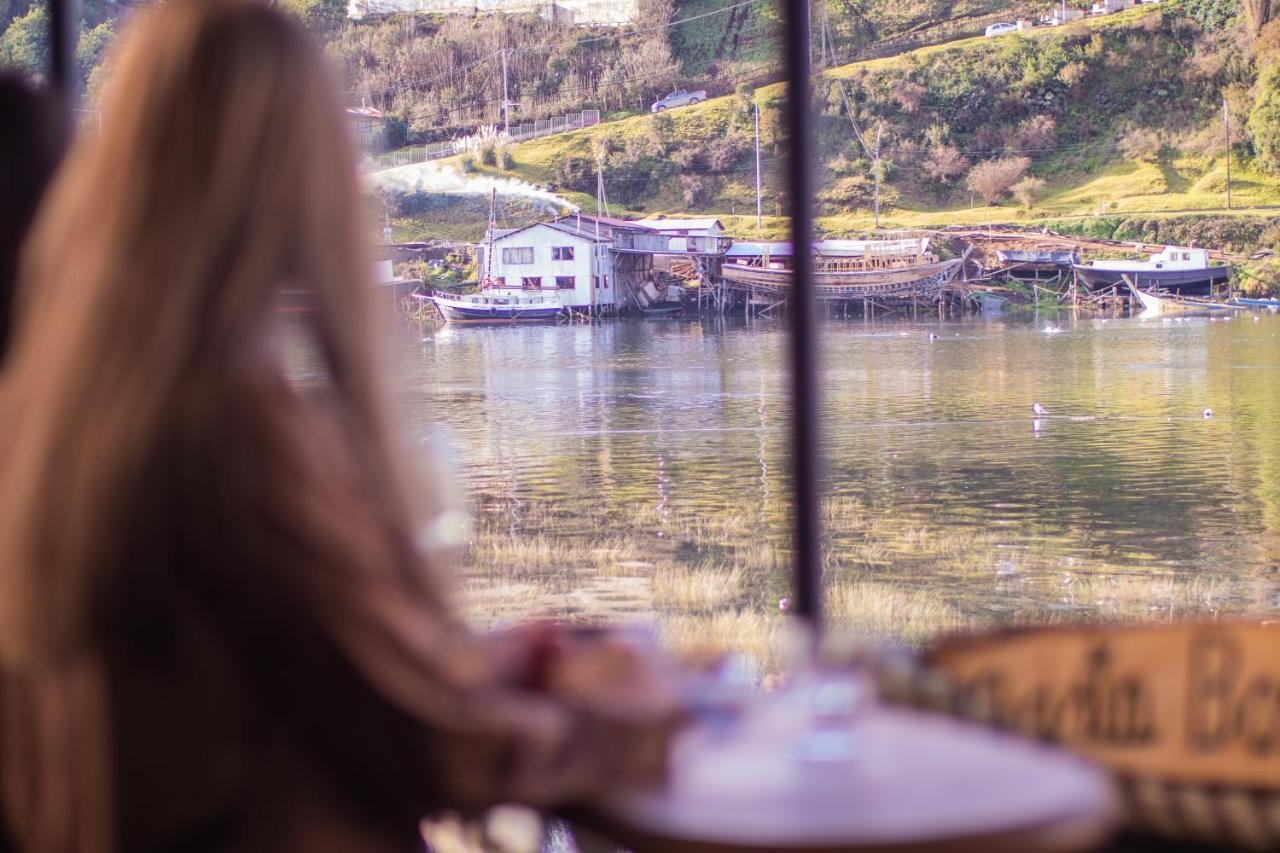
(577, 174)
(489, 152)
(1027, 189)
(993, 178)
(1142, 143)
(724, 152)
(694, 189)
(945, 163)
(1037, 133)
(395, 133)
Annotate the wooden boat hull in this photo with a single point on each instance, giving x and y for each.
(455, 312)
(846, 284)
(1186, 282)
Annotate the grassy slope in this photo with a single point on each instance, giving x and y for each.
(1080, 184)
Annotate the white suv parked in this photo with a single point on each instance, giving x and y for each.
(1001, 29)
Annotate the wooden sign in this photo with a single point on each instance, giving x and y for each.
(1194, 702)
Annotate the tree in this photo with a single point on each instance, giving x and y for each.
(320, 16)
(1027, 189)
(991, 179)
(1256, 14)
(25, 44)
(945, 163)
(92, 47)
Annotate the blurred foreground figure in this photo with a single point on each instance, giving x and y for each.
(217, 630)
(33, 137)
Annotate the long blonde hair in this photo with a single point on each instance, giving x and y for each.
(224, 172)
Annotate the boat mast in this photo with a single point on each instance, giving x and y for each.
(493, 226)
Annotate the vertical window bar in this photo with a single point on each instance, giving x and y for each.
(800, 311)
(64, 20)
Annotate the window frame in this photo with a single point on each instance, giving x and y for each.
(515, 256)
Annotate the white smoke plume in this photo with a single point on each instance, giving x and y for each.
(434, 178)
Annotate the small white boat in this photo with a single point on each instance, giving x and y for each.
(490, 307)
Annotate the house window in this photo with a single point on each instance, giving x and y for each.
(561, 253)
(565, 282)
(531, 282)
(597, 282)
(518, 255)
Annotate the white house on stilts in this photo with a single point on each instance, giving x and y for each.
(573, 264)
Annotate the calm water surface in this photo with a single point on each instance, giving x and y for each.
(633, 429)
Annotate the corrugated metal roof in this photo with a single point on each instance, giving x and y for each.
(562, 227)
(704, 224)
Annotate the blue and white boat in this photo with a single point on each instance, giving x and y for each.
(489, 307)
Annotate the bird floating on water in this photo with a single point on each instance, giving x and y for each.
(932, 336)
(1208, 413)
(1038, 410)
(1051, 330)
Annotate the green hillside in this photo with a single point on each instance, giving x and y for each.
(1110, 118)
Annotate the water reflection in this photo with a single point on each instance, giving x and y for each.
(661, 446)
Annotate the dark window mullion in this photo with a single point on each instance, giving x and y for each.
(805, 438)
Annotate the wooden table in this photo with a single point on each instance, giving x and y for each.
(784, 777)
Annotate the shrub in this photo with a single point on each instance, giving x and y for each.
(694, 189)
(945, 163)
(1027, 189)
(991, 179)
(1037, 133)
(1142, 143)
(576, 173)
(908, 95)
(489, 152)
(724, 152)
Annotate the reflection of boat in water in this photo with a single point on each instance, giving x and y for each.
(844, 269)
(664, 309)
(488, 308)
(1176, 269)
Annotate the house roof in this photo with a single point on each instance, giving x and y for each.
(704, 224)
(562, 227)
(633, 224)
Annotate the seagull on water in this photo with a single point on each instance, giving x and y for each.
(1038, 410)
(1208, 413)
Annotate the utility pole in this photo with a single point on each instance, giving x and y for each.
(756, 104)
(1226, 129)
(602, 203)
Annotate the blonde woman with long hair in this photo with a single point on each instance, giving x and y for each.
(217, 629)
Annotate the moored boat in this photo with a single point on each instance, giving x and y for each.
(489, 308)
(1176, 269)
(1256, 303)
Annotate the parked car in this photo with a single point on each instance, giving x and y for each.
(678, 98)
(1000, 29)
